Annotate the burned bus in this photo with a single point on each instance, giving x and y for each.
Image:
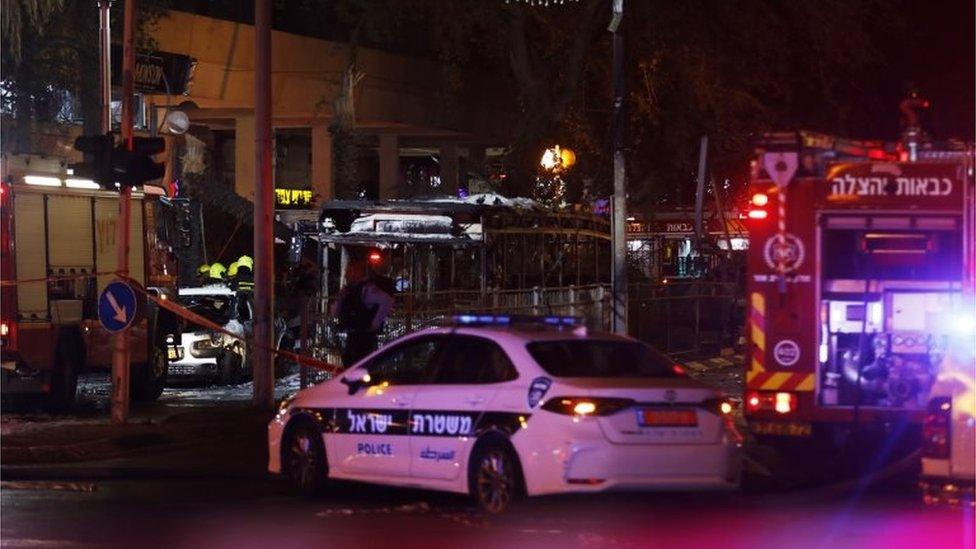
(482, 253)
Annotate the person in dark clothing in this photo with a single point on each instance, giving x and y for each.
(361, 308)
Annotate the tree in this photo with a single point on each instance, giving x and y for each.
(50, 57)
(712, 67)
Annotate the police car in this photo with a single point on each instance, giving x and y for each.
(500, 406)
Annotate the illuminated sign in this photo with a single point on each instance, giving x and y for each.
(877, 183)
(293, 198)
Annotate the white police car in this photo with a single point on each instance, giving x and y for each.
(496, 407)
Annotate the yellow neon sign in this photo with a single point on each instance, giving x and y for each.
(293, 197)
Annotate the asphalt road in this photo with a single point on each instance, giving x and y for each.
(245, 511)
(229, 513)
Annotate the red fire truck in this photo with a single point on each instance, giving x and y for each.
(57, 252)
(859, 265)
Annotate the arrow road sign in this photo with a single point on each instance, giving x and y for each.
(117, 306)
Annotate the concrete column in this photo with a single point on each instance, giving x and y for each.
(476, 159)
(389, 166)
(322, 184)
(244, 156)
(449, 168)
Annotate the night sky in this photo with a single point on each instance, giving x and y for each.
(937, 52)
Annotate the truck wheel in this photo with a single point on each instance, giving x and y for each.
(148, 379)
(64, 379)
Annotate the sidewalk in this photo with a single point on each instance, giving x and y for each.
(206, 441)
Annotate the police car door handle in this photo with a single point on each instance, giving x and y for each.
(475, 400)
(400, 401)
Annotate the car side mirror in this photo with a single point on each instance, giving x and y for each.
(356, 380)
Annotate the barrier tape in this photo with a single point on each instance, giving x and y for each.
(187, 314)
(56, 278)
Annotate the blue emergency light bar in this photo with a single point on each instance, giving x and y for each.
(508, 320)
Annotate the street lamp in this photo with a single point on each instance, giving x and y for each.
(557, 159)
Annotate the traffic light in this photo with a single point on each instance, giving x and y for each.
(136, 167)
(108, 164)
(98, 159)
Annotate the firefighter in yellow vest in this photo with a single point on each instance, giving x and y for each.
(203, 273)
(217, 272)
(245, 273)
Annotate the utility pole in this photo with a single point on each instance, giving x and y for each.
(619, 175)
(263, 396)
(105, 62)
(121, 356)
(700, 190)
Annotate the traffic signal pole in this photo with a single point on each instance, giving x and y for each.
(263, 396)
(619, 176)
(105, 59)
(121, 354)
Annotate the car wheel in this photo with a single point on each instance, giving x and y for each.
(231, 368)
(494, 476)
(303, 460)
(149, 379)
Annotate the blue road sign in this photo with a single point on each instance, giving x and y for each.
(117, 306)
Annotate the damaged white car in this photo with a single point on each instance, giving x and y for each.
(203, 354)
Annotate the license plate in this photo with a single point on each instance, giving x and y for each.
(778, 428)
(175, 353)
(667, 418)
(182, 370)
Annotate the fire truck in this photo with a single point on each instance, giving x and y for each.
(57, 252)
(860, 273)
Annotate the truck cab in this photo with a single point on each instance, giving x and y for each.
(58, 253)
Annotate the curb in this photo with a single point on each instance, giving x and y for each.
(102, 472)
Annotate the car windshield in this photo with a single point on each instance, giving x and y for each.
(215, 308)
(600, 358)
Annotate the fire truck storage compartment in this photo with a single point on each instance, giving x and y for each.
(889, 284)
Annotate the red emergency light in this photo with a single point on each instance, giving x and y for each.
(758, 201)
(375, 257)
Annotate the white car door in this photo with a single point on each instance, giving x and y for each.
(371, 430)
(447, 410)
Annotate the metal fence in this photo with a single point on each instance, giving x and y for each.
(688, 316)
(417, 310)
(676, 317)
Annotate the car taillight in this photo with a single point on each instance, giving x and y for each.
(719, 406)
(936, 429)
(781, 403)
(586, 406)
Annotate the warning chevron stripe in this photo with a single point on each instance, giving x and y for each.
(780, 381)
(757, 327)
